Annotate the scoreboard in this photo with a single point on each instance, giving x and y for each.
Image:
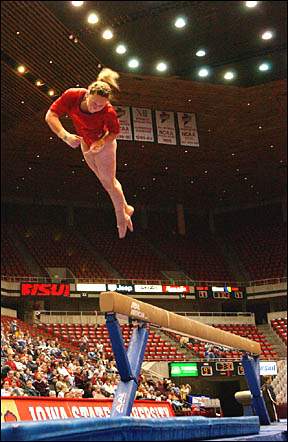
(224, 292)
(206, 369)
(223, 368)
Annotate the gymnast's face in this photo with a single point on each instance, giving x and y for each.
(95, 103)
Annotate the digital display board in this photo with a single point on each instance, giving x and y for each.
(217, 292)
(186, 369)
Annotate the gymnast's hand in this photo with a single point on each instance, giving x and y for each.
(70, 139)
(97, 145)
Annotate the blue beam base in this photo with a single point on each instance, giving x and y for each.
(252, 373)
(128, 364)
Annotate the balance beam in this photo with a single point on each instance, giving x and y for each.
(112, 302)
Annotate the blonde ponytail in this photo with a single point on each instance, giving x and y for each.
(109, 76)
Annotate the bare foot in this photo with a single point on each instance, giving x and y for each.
(123, 221)
(129, 210)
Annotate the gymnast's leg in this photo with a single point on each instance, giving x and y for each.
(103, 164)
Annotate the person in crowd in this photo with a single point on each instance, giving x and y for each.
(15, 389)
(41, 385)
(30, 390)
(108, 388)
(79, 379)
(97, 393)
(63, 390)
(52, 393)
(88, 391)
(19, 364)
(60, 383)
(6, 389)
(270, 398)
(11, 363)
(9, 377)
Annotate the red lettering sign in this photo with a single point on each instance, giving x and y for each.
(32, 409)
(175, 288)
(34, 289)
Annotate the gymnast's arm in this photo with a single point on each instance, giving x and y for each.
(53, 121)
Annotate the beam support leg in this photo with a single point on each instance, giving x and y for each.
(128, 364)
(252, 373)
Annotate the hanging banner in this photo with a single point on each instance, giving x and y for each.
(42, 409)
(142, 122)
(123, 114)
(166, 132)
(188, 129)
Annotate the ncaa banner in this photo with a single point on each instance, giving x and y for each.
(123, 114)
(166, 132)
(142, 122)
(188, 129)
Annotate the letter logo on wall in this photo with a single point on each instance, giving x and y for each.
(34, 289)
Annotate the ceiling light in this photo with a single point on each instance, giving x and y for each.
(200, 53)
(39, 83)
(51, 93)
(203, 73)
(229, 76)
(264, 67)
(267, 35)
(93, 19)
(21, 69)
(121, 49)
(161, 67)
(50, 61)
(251, 4)
(22, 102)
(133, 63)
(77, 4)
(180, 22)
(107, 34)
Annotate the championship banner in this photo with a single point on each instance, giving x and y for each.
(143, 127)
(166, 132)
(123, 114)
(188, 129)
(42, 408)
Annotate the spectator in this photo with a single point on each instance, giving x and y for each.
(108, 388)
(29, 390)
(60, 383)
(96, 392)
(9, 377)
(52, 393)
(79, 379)
(15, 389)
(78, 394)
(88, 391)
(41, 385)
(83, 342)
(11, 363)
(62, 391)
(19, 365)
(6, 389)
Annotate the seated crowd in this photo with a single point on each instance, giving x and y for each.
(39, 367)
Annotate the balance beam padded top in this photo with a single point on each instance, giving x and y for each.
(125, 305)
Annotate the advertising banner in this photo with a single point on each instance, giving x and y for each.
(42, 409)
(166, 132)
(143, 127)
(175, 288)
(33, 289)
(123, 114)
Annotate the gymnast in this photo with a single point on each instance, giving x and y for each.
(97, 127)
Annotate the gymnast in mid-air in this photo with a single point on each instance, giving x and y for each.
(97, 127)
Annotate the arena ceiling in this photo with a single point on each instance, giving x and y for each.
(241, 123)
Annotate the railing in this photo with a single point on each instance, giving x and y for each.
(190, 282)
(92, 313)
